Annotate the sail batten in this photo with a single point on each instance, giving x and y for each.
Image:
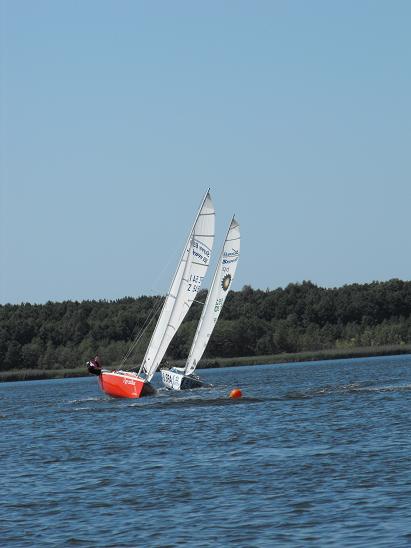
(221, 283)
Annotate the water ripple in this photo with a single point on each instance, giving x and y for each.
(313, 454)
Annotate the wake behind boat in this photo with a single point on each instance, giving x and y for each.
(178, 378)
(186, 282)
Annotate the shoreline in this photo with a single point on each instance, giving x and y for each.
(218, 363)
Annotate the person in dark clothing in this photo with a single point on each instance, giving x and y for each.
(94, 366)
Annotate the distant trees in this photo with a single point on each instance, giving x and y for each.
(253, 322)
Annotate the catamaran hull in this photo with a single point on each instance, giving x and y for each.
(178, 381)
(119, 384)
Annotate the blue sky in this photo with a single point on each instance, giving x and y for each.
(117, 116)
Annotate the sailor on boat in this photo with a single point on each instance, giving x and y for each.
(94, 366)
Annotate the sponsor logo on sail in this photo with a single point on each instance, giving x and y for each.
(225, 284)
(232, 253)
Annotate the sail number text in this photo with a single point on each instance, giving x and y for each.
(194, 282)
(218, 304)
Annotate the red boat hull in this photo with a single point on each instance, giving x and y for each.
(124, 384)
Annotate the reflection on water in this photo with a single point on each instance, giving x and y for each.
(313, 454)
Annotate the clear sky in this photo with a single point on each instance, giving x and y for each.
(117, 116)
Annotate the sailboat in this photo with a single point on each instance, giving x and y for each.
(180, 378)
(185, 284)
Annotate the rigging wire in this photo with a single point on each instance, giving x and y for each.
(151, 315)
(143, 329)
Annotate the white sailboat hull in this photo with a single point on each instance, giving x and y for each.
(174, 379)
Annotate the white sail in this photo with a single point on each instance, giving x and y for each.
(223, 277)
(184, 287)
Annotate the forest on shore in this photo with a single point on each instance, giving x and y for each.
(301, 317)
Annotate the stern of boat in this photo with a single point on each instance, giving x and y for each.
(174, 379)
(171, 379)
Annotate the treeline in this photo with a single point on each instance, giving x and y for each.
(300, 317)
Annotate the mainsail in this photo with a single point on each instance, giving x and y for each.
(223, 277)
(184, 287)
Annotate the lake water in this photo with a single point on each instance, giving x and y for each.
(314, 454)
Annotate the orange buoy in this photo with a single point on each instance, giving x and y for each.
(236, 393)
